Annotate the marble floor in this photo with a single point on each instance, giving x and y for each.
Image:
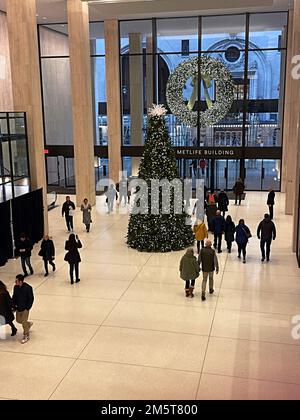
(126, 331)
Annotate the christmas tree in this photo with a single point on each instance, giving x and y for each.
(158, 230)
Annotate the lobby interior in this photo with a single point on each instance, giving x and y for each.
(126, 331)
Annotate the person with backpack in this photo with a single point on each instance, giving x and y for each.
(189, 271)
(211, 208)
(242, 236)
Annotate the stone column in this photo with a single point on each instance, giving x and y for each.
(149, 72)
(287, 105)
(292, 138)
(26, 86)
(82, 105)
(111, 29)
(136, 94)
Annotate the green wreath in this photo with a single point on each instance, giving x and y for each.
(210, 69)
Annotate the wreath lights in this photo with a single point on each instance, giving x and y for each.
(210, 69)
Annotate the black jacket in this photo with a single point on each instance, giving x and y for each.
(26, 245)
(6, 307)
(47, 250)
(67, 206)
(239, 188)
(72, 255)
(266, 230)
(229, 231)
(271, 198)
(23, 297)
(218, 225)
(223, 201)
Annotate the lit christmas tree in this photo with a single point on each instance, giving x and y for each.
(159, 232)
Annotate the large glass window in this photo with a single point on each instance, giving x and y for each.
(177, 35)
(14, 160)
(221, 32)
(136, 35)
(56, 84)
(268, 30)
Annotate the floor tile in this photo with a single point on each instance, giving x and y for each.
(31, 377)
(150, 316)
(215, 387)
(254, 360)
(107, 381)
(147, 348)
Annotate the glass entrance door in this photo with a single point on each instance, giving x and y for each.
(226, 173)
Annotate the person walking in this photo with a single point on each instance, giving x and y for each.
(211, 208)
(47, 252)
(218, 227)
(266, 232)
(73, 257)
(86, 209)
(208, 262)
(201, 232)
(238, 190)
(23, 299)
(271, 202)
(189, 271)
(229, 233)
(202, 165)
(123, 193)
(6, 309)
(23, 249)
(68, 209)
(223, 202)
(111, 195)
(242, 237)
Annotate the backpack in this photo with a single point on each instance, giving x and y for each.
(211, 199)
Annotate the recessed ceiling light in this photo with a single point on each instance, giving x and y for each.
(44, 18)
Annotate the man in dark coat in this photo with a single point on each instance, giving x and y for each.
(238, 190)
(218, 227)
(23, 300)
(208, 261)
(48, 253)
(24, 248)
(67, 211)
(6, 309)
(266, 232)
(271, 202)
(223, 202)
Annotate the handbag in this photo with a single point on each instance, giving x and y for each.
(67, 256)
(248, 234)
(41, 254)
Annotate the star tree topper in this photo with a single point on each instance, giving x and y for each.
(157, 111)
